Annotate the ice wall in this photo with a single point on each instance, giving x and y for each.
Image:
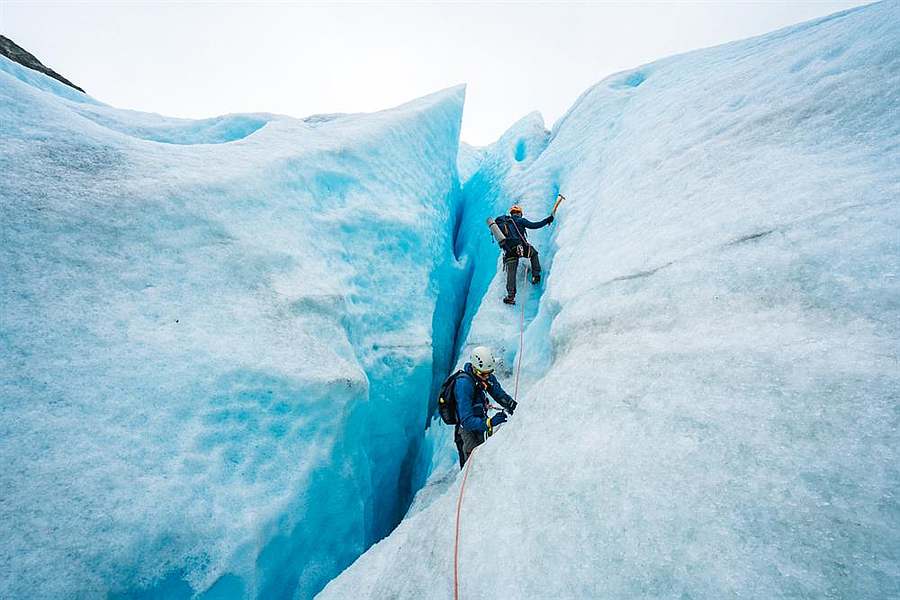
(215, 340)
(711, 377)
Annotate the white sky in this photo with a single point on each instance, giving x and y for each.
(202, 59)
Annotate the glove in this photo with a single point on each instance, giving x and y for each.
(510, 406)
(550, 219)
(494, 421)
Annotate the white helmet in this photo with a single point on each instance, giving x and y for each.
(483, 360)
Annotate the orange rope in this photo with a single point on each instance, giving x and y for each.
(459, 500)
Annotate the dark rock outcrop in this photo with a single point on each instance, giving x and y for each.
(16, 53)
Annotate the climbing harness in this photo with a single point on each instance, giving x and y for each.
(520, 250)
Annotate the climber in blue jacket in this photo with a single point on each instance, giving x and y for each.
(472, 404)
(516, 246)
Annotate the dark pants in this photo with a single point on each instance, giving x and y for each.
(466, 441)
(511, 264)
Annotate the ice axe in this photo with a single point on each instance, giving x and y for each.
(559, 200)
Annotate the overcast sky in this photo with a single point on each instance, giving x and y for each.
(202, 59)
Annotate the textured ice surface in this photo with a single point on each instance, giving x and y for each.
(168, 130)
(712, 375)
(214, 359)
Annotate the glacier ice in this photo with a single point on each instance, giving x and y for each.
(711, 372)
(215, 338)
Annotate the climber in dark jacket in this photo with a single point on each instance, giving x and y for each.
(472, 405)
(516, 246)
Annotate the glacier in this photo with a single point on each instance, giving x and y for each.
(711, 370)
(220, 339)
(216, 336)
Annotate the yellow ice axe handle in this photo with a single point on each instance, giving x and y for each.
(559, 199)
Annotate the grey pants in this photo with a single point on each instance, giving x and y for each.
(511, 264)
(466, 442)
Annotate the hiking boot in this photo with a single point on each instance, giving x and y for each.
(535, 278)
(509, 300)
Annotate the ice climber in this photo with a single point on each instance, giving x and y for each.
(516, 246)
(469, 387)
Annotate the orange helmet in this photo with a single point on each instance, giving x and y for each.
(515, 208)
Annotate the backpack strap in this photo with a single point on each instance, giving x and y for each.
(457, 375)
(462, 373)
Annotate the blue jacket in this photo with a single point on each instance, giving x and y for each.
(471, 403)
(515, 230)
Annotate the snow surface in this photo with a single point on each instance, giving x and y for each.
(712, 372)
(215, 340)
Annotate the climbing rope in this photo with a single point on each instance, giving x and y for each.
(462, 489)
(521, 341)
